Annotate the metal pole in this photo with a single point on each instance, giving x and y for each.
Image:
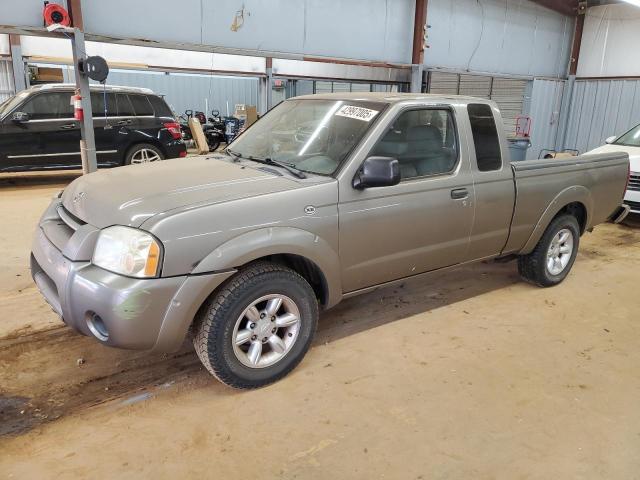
(87, 142)
(269, 72)
(262, 95)
(19, 77)
(416, 78)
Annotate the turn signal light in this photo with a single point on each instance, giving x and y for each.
(153, 257)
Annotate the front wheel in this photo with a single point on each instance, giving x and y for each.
(554, 255)
(258, 327)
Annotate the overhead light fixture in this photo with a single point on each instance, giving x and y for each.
(633, 2)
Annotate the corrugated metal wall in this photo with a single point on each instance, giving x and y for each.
(546, 100)
(188, 91)
(6, 80)
(514, 37)
(601, 108)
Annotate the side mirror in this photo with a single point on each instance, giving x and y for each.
(20, 117)
(610, 139)
(377, 172)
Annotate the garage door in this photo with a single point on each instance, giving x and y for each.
(508, 93)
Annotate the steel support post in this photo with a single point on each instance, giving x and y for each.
(87, 142)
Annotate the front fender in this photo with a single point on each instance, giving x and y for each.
(274, 241)
(565, 197)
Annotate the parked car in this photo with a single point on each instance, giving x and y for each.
(629, 143)
(38, 130)
(243, 248)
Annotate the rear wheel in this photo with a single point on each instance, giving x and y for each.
(554, 255)
(258, 327)
(213, 145)
(143, 153)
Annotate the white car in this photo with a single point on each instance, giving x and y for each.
(629, 143)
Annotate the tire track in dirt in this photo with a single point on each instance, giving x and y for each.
(52, 373)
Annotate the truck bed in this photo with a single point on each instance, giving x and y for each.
(543, 187)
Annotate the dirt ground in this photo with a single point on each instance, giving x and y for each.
(466, 374)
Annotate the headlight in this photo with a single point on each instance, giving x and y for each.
(127, 251)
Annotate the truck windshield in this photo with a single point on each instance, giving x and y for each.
(630, 139)
(311, 135)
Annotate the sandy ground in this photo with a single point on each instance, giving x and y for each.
(466, 374)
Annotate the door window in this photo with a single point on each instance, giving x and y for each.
(141, 105)
(485, 137)
(97, 104)
(125, 109)
(424, 141)
(50, 105)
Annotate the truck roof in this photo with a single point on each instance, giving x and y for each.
(395, 97)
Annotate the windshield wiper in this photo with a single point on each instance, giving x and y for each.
(296, 172)
(233, 154)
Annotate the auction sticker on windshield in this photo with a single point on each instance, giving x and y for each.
(359, 113)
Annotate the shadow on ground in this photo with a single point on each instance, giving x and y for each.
(48, 374)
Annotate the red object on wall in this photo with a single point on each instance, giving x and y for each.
(78, 113)
(54, 13)
(523, 126)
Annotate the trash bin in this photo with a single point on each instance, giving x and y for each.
(518, 147)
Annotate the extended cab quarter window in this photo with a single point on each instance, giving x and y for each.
(424, 142)
(485, 137)
(50, 105)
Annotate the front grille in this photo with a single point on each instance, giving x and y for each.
(635, 206)
(634, 182)
(69, 218)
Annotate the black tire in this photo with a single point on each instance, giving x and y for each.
(213, 145)
(139, 147)
(533, 267)
(216, 320)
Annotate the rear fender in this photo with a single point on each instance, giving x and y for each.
(565, 197)
(278, 241)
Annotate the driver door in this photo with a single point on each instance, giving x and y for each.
(421, 224)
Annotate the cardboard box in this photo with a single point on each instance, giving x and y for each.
(248, 113)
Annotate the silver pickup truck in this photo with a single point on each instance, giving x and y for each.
(325, 197)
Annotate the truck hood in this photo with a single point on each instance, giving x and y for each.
(634, 154)
(133, 194)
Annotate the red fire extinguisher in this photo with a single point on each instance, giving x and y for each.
(78, 113)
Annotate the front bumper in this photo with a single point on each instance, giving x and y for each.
(632, 198)
(143, 314)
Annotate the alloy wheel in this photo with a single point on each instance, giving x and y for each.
(559, 252)
(266, 331)
(144, 155)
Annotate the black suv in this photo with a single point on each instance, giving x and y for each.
(132, 125)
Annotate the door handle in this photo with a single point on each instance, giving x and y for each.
(68, 126)
(459, 193)
(125, 122)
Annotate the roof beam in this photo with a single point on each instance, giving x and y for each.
(565, 7)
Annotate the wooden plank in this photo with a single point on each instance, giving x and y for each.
(198, 136)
